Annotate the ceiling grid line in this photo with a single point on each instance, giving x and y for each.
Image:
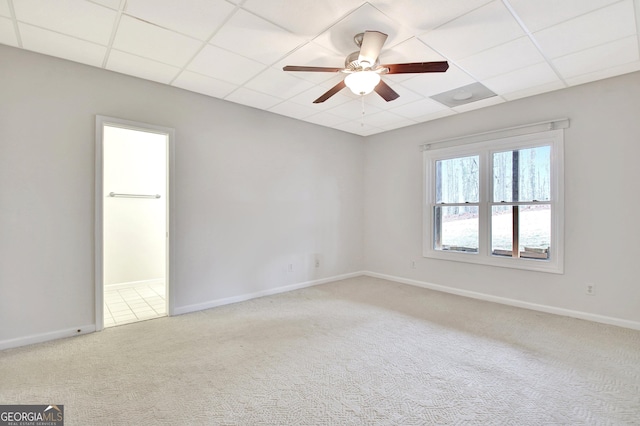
(206, 42)
(534, 41)
(114, 31)
(15, 22)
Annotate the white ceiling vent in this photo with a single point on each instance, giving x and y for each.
(463, 95)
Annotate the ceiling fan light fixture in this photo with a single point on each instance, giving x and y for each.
(362, 82)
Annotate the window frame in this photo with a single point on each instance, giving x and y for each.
(485, 150)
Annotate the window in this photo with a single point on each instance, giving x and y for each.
(497, 202)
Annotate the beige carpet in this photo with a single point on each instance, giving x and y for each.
(356, 352)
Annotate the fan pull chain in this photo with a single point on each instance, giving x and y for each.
(362, 119)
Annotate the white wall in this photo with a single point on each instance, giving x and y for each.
(135, 162)
(602, 230)
(254, 192)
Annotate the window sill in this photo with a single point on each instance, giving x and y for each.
(552, 267)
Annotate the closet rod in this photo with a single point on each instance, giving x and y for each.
(113, 194)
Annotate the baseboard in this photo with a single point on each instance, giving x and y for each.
(44, 337)
(243, 297)
(634, 325)
(133, 284)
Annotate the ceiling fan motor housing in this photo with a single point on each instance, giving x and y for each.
(352, 63)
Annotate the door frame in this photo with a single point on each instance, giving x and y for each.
(101, 121)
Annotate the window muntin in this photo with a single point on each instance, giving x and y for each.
(537, 202)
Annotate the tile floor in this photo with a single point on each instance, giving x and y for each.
(136, 302)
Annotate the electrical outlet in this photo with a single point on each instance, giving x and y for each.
(317, 262)
(413, 264)
(590, 289)
(290, 268)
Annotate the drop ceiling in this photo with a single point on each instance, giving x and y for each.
(235, 49)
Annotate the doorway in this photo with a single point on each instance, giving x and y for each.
(132, 221)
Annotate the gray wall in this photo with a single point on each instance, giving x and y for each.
(254, 192)
(602, 230)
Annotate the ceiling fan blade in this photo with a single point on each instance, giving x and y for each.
(371, 46)
(312, 69)
(387, 93)
(335, 89)
(417, 67)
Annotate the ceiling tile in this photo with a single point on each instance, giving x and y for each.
(598, 58)
(7, 32)
(307, 18)
(149, 41)
(534, 90)
(312, 54)
(339, 37)
(481, 29)
(418, 108)
(501, 59)
(353, 109)
(224, 65)
(595, 28)
(127, 63)
(398, 124)
(357, 128)
(195, 18)
(77, 18)
(278, 83)
(532, 76)
(325, 119)
(252, 98)
(293, 110)
(423, 15)
(4, 9)
(429, 84)
(382, 119)
(111, 4)
(61, 46)
(606, 73)
(434, 115)
(540, 14)
(255, 38)
(202, 84)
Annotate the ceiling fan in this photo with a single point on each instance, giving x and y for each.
(363, 69)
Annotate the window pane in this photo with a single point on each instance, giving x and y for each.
(522, 175)
(534, 231)
(502, 230)
(456, 228)
(457, 180)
